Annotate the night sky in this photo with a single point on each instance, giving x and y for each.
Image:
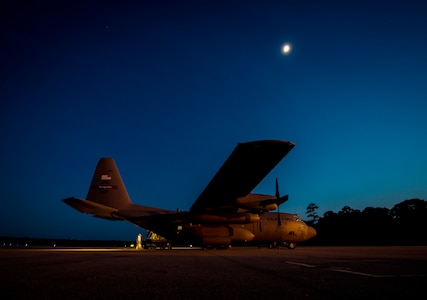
(168, 89)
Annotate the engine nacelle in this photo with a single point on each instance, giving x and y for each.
(263, 208)
(257, 202)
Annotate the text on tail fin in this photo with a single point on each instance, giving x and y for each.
(107, 187)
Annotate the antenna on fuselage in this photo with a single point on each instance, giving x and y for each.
(279, 222)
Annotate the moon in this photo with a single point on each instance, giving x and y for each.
(286, 49)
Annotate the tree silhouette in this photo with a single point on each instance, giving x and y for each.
(404, 224)
(410, 218)
(312, 213)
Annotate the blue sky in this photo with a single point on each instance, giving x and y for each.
(168, 89)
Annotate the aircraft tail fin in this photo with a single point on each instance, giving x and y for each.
(107, 187)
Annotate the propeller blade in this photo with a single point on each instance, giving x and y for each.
(278, 199)
(282, 200)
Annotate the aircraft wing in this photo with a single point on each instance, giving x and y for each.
(244, 169)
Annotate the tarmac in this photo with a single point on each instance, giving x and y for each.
(236, 273)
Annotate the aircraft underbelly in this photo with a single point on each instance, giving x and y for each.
(222, 235)
(286, 232)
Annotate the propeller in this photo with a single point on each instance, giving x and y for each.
(279, 200)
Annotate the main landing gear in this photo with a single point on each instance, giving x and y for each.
(281, 244)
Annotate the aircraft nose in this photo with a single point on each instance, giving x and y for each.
(311, 232)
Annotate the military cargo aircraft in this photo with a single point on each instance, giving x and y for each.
(226, 212)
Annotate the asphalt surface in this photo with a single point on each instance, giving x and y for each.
(237, 273)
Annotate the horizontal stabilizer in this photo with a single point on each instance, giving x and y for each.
(90, 207)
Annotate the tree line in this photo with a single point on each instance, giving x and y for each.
(404, 224)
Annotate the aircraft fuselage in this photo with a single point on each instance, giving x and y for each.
(183, 229)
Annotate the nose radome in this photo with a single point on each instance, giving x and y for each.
(311, 232)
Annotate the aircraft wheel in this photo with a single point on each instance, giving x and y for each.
(291, 246)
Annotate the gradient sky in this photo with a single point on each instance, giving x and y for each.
(168, 88)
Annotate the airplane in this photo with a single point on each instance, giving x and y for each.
(225, 213)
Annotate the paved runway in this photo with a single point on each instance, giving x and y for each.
(238, 273)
